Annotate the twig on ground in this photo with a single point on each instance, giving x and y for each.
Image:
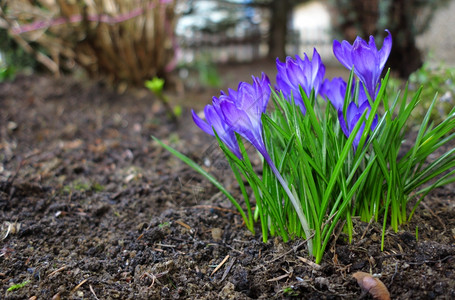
(93, 292)
(79, 285)
(279, 277)
(183, 224)
(57, 271)
(228, 268)
(309, 262)
(220, 265)
(154, 277)
(217, 208)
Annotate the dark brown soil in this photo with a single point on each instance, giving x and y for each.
(92, 208)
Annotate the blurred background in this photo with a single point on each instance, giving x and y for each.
(196, 44)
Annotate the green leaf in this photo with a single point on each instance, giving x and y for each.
(18, 286)
(155, 85)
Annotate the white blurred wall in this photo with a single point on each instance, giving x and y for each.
(438, 42)
(311, 23)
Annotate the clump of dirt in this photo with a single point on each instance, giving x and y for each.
(92, 208)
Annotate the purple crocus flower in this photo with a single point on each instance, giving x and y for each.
(353, 114)
(243, 109)
(215, 121)
(238, 111)
(367, 60)
(300, 72)
(334, 90)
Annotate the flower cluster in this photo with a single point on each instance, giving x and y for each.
(313, 176)
(240, 111)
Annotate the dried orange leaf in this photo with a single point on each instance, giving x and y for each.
(372, 285)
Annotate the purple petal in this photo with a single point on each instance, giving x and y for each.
(297, 78)
(223, 130)
(343, 123)
(202, 124)
(352, 115)
(342, 52)
(265, 91)
(240, 122)
(215, 120)
(318, 71)
(298, 72)
(358, 136)
(260, 97)
(235, 117)
(334, 91)
(366, 68)
(385, 50)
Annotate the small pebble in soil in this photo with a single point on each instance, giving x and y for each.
(228, 292)
(321, 282)
(217, 233)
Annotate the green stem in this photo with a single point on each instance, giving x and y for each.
(297, 205)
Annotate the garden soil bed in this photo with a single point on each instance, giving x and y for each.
(92, 208)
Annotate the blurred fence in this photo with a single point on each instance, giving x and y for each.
(219, 48)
